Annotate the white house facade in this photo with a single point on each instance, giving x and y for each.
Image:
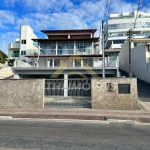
(20, 47)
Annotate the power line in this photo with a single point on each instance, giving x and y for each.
(105, 9)
(108, 12)
(137, 13)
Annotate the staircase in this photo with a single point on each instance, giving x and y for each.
(6, 72)
(67, 102)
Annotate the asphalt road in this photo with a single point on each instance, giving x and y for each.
(61, 135)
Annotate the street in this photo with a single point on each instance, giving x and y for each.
(37, 134)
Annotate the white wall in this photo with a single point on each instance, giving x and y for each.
(139, 54)
(26, 33)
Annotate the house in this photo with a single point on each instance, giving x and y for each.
(19, 48)
(68, 51)
(64, 57)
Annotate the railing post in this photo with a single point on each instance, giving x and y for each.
(65, 85)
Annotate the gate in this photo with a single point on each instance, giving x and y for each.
(78, 93)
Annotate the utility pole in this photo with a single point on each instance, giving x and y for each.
(103, 52)
(130, 68)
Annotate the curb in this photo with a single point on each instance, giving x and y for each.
(77, 117)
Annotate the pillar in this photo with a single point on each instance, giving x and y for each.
(75, 47)
(48, 63)
(56, 48)
(82, 62)
(53, 62)
(92, 47)
(65, 85)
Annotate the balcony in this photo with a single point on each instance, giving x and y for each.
(14, 46)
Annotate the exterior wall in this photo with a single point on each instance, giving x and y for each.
(102, 98)
(139, 61)
(26, 33)
(22, 93)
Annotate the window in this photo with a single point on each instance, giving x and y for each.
(65, 48)
(48, 48)
(23, 52)
(23, 42)
(84, 47)
(118, 41)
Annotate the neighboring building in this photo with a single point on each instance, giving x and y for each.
(140, 58)
(23, 44)
(118, 25)
(3, 56)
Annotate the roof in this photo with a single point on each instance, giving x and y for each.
(58, 56)
(3, 54)
(70, 31)
(66, 39)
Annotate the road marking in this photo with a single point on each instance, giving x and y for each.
(2, 148)
(6, 117)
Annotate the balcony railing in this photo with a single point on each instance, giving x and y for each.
(34, 52)
(13, 55)
(30, 63)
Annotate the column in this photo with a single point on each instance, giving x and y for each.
(65, 85)
(56, 48)
(48, 63)
(82, 62)
(53, 62)
(118, 73)
(74, 47)
(92, 47)
(73, 60)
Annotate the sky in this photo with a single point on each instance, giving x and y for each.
(58, 14)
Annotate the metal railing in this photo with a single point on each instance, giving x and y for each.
(79, 92)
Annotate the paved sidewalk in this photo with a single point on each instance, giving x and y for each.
(81, 114)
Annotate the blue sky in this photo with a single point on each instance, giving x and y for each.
(57, 14)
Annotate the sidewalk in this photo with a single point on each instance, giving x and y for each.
(78, 113)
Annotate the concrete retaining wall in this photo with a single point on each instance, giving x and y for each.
(105, 97)
(28, 93)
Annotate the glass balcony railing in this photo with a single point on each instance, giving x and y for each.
(13, 54)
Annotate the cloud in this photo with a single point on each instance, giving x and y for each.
(47, 5)
(56, 14)
(10, 3)
(119, 6)
(7, 17)
(8, 37)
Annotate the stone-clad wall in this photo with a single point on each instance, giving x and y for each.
(28, 93)
(109, 98)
